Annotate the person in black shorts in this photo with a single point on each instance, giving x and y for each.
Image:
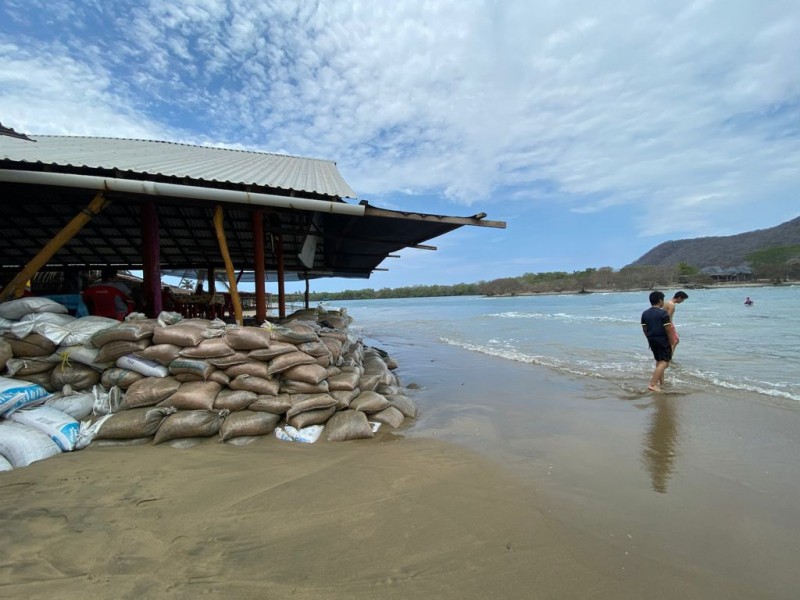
(659, 332)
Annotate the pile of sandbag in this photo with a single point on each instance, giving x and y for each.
(170, 378)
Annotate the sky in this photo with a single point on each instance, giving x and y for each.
(596, 130)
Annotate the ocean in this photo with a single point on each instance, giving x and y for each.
(725, 345)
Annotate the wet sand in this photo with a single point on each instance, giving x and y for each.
(514, 483)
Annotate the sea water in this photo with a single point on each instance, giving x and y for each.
(724, 344)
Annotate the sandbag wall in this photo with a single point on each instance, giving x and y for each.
(169, 378)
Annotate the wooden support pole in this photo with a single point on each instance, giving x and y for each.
(306, 294)
(226, 256)
(151, 260)
(258, 265)
(17, 285)
(281, 275)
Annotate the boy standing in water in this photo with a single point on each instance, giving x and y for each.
(658, 330)
(669, 306)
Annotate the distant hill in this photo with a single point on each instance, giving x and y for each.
(726, 251)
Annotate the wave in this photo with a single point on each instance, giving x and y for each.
(559, 317)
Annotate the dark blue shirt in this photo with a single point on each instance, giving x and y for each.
(654, 322)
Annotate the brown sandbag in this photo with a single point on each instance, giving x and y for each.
(190, 423)
(311, 373)
(149, 391)
(30, 346)
(32, 366)
(289, 360)
(344, 397)
(211, 348)
(247, 422)
(323, 361)
(255, 368)
(293, 333)
(275, 349)
(334, 346)
(404, 404)
(193, 366)
(315, 349)
(259, 385)
(5, 354)
(42, 379)
(80, 377)
(370, 402)
(348, 425)
(111, 351)
(304, 402)
(133, 424)
(289, 386)
(234, 400)
(247, 338)
(194, 395)
(223, 362)
(127, 331)
(345, 381)
(390, 416)
(163, 354)
(215, 375)
(311, 417)
(181, 334)
(276, 405)
(122, 378)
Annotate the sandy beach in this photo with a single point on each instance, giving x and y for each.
(507, 486)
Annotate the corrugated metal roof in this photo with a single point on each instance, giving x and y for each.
(170, 159)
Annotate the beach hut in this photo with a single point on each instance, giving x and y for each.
(165, 208)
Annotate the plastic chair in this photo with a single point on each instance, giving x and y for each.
(101, 301)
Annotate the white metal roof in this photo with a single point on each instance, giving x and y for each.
(170, 159)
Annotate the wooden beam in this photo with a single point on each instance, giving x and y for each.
(70, 230)
(259, 271)
(223, 248)
(151, 259)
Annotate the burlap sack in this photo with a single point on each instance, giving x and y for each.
(289, 386)
(111, 351)
(181, 334)
(345, 381)
(163, 354)
(315, 349)
(234, 400)
(370, 402)
(190, 423)
(247, 422)
(348, 425)
(30, 346)
(122, 378)
(404, 404)
(289, 360)
(256, 368)
(133, 424)
(311, 417)
(333, 345)
(30, 366)
(247, 338)
(223, 362)
(277, 405)
(193, 366)
(127, 331)
(5, 353)
(211, 348)
(304, 402)
(344, 397)
(275, 349)
(259, 385)
(193, 395)
(80, 377)
(149, 392)
(312, 373)
(42, 379)
(296, 334)
(390, 416)
(215, 375)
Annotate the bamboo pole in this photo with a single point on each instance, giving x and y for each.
(70, 230)
(226, 256)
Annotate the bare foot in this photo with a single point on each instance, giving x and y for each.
(654, 388)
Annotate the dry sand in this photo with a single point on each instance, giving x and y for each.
(512, 484)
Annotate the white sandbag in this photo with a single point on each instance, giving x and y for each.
(306, 435)
(5, 325)
(5, 465)
(22, 445)
(148, 368)
(61, 428)
(80, 331)
(53, 326)
(16, 309)
(15, 394)
(79, 354)
(77, 406)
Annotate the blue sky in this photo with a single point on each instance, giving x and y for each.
(597, 130)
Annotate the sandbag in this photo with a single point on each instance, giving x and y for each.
(145, 366)
(79, 377)
(275, 349)
(256, 368)
(302, 403)
(190, 423)
(15, 394)
(163, 354)
(42, 379)
(311, 417)
(289, 360)
(122, 378)
(316, 348)
(259, 385)
(404, 404)
(77, 406)
(344, 397)
(193, 366)
(5, 353)
(333, 345)
(348, 425)
(370, 402)
(390, 416)
(29, 366)
(247, 338)
(276, 405)
(53, 326)
(345, 381)
(289, 386)
(234, 400)
(216, 375)
(30, 346)
(310, 373)
(111, 351)
(5, 465)
(210, 348)
(223, 362)
(194, 395)
(182, 334)
(16, 309)
(149, 391)
(22, 445)
(127, 331)
(247, 422)
(80, 331)
(295, 335)
(135, 423)
(84, 355)
(58, 426)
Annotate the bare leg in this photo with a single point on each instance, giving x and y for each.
(658, 376)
